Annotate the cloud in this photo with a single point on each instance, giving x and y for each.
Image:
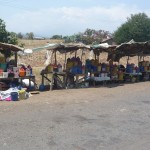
(70, 20)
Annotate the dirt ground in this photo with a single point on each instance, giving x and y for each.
(104, 118)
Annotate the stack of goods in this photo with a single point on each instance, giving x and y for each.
(20, 71)
(129, 68)
(53, 68)
(145, 69)
(10, 70)
(144, 66)
(92, 65)
(114, 71)
(3, 67)
(132, 69)
(74, 65)
(105, 70)
(13, 94)
(133, 73)
(100, 71)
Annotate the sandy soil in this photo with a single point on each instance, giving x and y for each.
(104, 118)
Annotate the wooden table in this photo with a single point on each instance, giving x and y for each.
(31, 78)
(56, 79)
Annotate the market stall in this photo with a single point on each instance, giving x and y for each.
(11, 75)
(134, 72)
(67, 74)
(104, 71)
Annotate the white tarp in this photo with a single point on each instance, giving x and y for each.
(28, 51)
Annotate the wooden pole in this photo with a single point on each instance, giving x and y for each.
(65, 60)
(75, 54)
(81, 55)
(55, 59)
(52, 57)
(98, 58)
(16, 59)
(138, 59)
(128, 60)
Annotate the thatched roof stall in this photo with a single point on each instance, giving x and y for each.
(71, 47)
(14, 48)
(131, 49)
(104, 47)
(9, 49)
(65, 48)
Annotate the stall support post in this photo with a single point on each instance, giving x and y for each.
(65, 60)
(98, 58)
(16, 59)
(143, 58)
(55, 59)
(81, 55)
(138, 59)
(75, 54)
(52, 79)
(95, 56)
(128, 60)
(42, 79)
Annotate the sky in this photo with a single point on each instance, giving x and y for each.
(46, 18)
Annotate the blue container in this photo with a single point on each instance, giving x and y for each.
(14, 96)
(141, 68)
(41, 87)
(3, 66)
(129, 68)
(74, 70)
(138, 70)
(79, 70)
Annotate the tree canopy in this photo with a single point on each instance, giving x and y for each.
(3, 32)
(5, 36)
(89, 36)
(137, 27)
(30, 35)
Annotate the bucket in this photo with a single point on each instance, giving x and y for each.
(41, 87)
(14, 96)
(22, 94)
(5, 74)
(15, 69)
(27, 72)
(22, 72)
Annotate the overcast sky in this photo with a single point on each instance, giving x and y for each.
(67, 17)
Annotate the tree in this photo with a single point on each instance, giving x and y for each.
(5, 36)
(12, 38)
(89, 36)
(56, 37)
(136, 27)
(3, 32)
(20, 35)
(30, 35)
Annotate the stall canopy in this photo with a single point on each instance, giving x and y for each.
(104, 47)
(14, 48)
(7, 50)
(63, 48)
(130, 48)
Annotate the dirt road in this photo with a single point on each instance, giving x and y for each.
(116, 118)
